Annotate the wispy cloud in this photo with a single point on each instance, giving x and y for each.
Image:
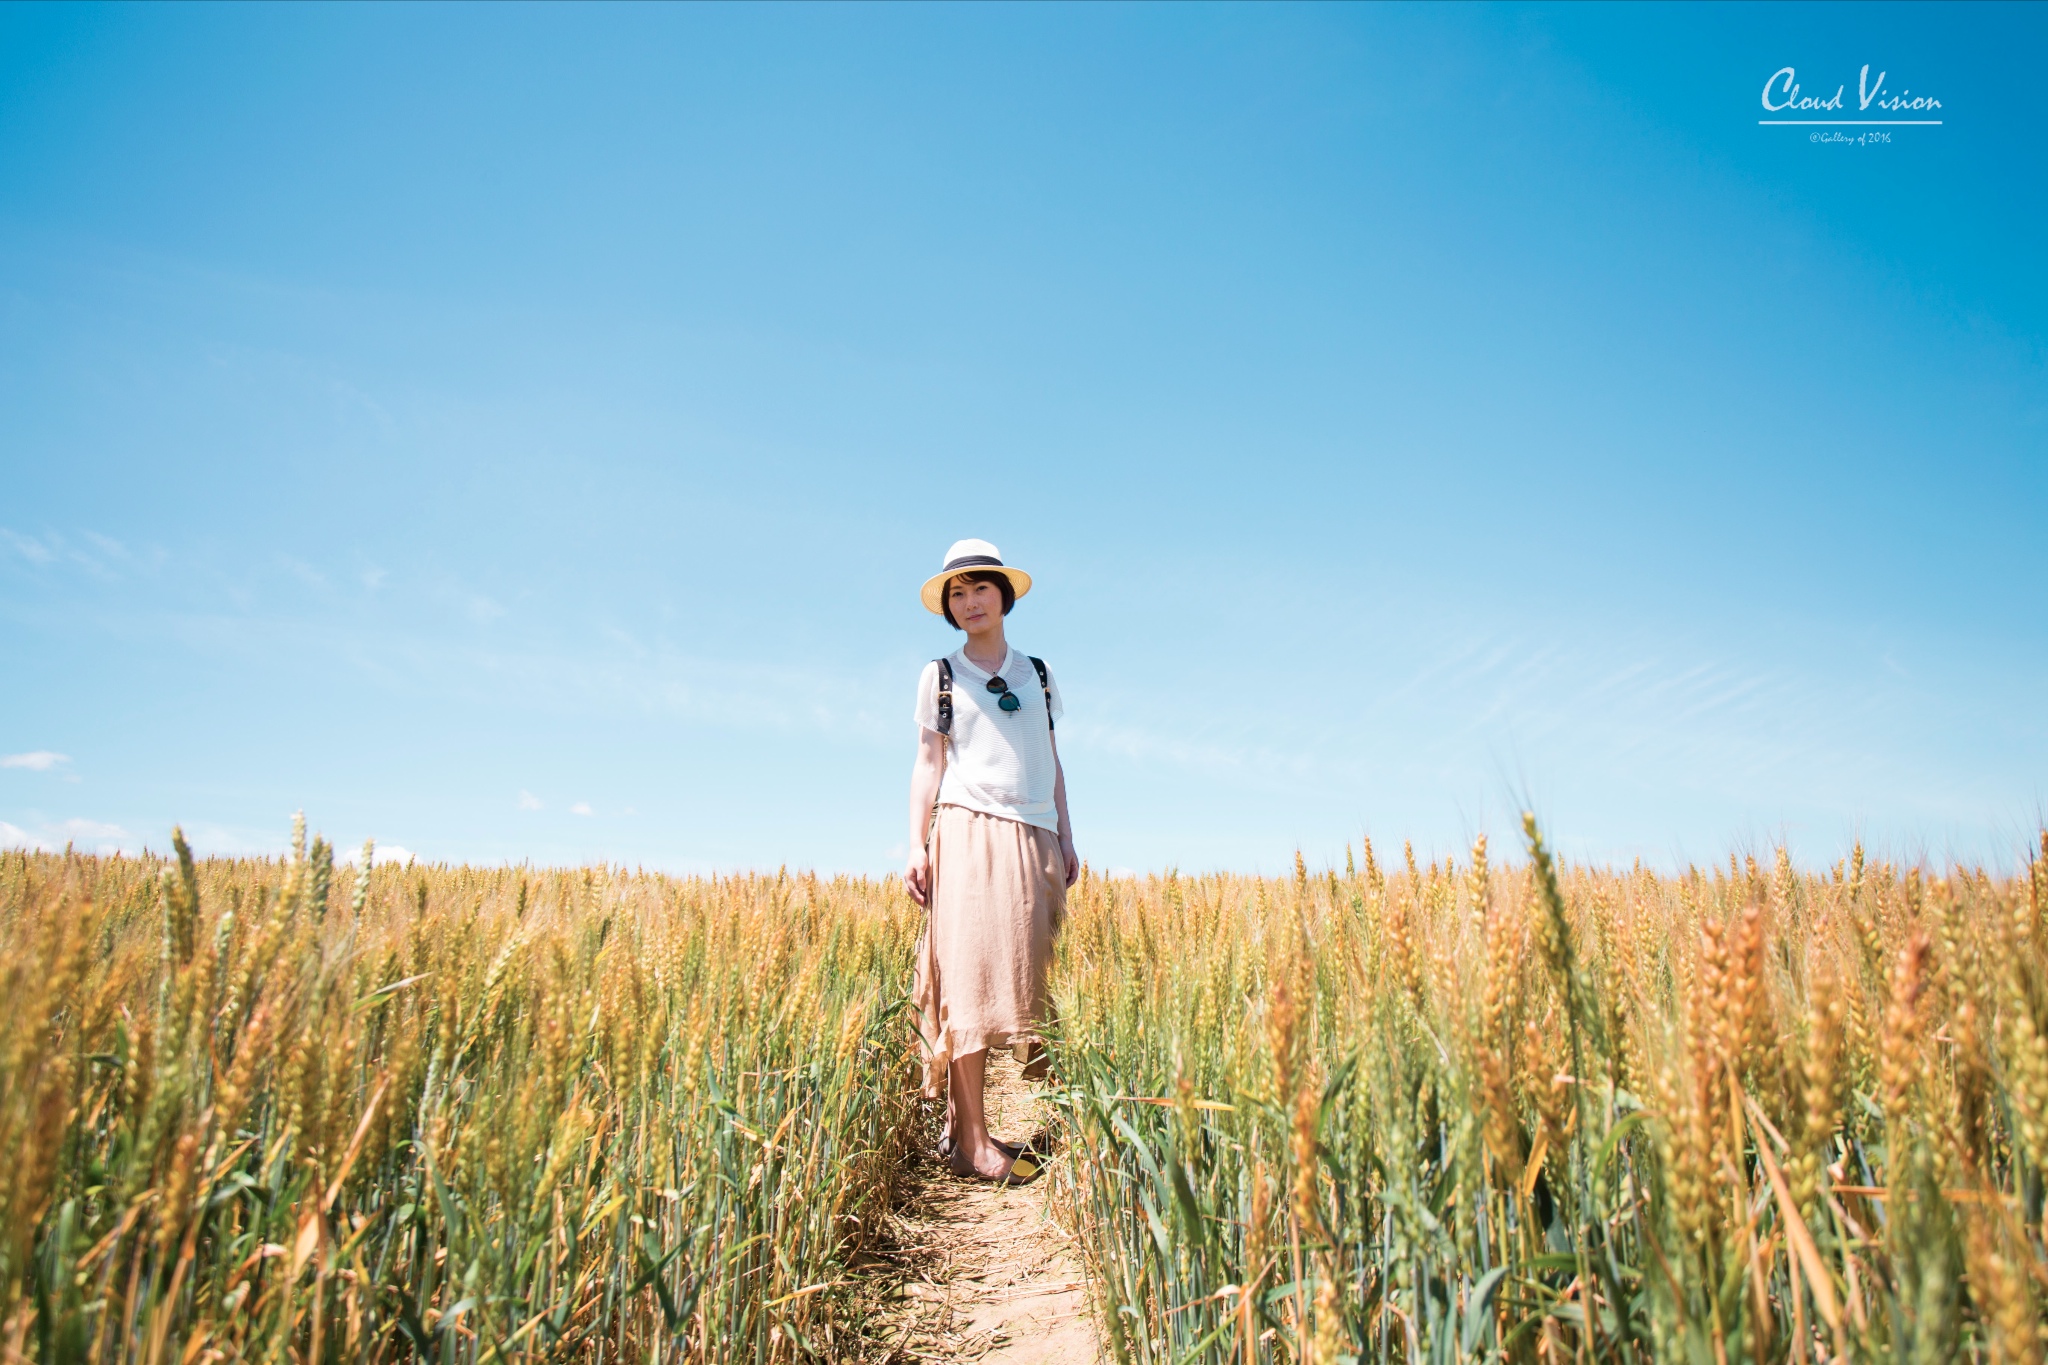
(408, 650)
(14, 836)
(235, 841)
(1426, 714)
(480, 608)
(101, 556)
(29, 548)
(93, 829)
(107, 545)
(98, 836)
(301, 570)
(382, 855)
(1192, 753)
(40, 760)
(1633, 725)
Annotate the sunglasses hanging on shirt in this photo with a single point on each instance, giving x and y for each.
(1008, 700)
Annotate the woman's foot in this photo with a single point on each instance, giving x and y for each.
(994, 1161)
(1013, 1148)
(974, 1153)
(1019, 1170)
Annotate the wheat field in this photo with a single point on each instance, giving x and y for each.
(272, 1111)
(1454, 1113)
(286, 1111)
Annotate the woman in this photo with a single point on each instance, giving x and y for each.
(992, 852)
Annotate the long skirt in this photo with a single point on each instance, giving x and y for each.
(999, 890)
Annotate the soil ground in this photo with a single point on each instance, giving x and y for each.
(979, 1272)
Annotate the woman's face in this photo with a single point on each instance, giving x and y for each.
(976, 606)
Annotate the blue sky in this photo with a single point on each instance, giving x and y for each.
(520, 432)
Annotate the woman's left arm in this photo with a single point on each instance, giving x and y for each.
(1059, 803)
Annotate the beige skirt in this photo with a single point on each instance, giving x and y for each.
(999, 890)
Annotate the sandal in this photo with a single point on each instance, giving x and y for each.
(1023, 1170)
(946, 1146)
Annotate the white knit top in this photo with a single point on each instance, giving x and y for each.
(999, 762)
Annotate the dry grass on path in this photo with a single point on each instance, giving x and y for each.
(980, 1272)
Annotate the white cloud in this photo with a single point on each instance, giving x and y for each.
(97, 555)
(236, 841)
(14, 836)
(96, 835)
(108, 545)
(92, 836)
(381, 855)
(28, 547)
(581, 808)
(304, 572)
(40, 761)
(528, 801)
(374, 578)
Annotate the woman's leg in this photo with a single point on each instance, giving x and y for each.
(972, 1145)
(953, 1126)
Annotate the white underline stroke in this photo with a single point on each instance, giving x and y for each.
(1848, 123)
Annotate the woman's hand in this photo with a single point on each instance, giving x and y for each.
(1059, 803)
(917, 876)
(925, 777)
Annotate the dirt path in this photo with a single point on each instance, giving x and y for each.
(982, 1273)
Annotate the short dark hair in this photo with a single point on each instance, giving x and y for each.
(1001, 580)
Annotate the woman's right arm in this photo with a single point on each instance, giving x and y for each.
(925, 777)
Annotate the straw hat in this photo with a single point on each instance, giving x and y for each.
(968, 556)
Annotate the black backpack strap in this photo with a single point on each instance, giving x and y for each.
(1039, 664)
(945, 696)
